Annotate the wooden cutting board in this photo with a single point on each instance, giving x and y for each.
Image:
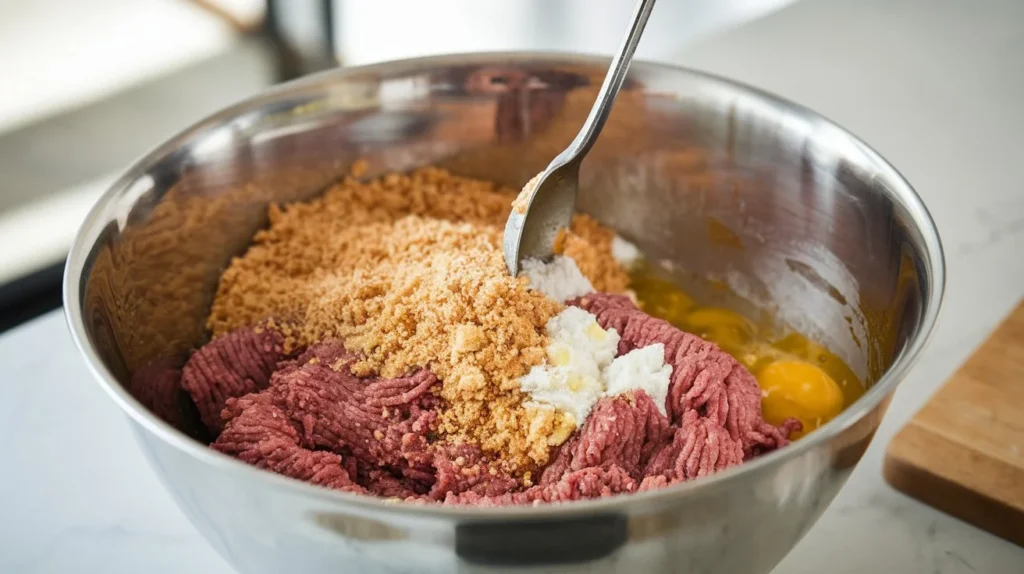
(963, 452)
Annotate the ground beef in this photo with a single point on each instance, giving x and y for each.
(263, 435)
(705, 378)
(308, 417)
(623, 432)
(575, 485)
(230, 366)
(382, 421)
(699, 446)
(463, 469)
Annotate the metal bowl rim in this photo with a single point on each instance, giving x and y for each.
(903, 194)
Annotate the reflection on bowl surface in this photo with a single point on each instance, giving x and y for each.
(809, 231)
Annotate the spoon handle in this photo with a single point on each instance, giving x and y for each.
(610, 87)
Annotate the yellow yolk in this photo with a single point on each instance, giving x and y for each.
(793, 388)
(798, 377)
(727, 329)
(800, 347)
(758, 354)
(662, 299)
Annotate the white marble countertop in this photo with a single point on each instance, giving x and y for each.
(935, 86)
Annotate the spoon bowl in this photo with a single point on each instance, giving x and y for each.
(530, 231)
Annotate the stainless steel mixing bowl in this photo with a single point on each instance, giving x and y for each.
(782, 210)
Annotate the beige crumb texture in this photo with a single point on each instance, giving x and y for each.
(407, 270)
(590, 244)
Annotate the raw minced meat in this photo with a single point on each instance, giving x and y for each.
(308, 417)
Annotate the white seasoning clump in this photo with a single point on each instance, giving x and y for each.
(581, 366)
(571, 379)
(560, 280)
(641, 369)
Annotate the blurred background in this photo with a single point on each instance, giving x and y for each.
(89, 86)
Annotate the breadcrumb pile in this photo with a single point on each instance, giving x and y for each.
(407, 270)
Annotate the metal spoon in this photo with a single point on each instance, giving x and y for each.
(530, 233)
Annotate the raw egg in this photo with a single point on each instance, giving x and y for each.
(727, 329)
(661, 298)
(801, 390)
(800, 347)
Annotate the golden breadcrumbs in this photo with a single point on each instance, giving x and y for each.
(408, 271)
(590, 244)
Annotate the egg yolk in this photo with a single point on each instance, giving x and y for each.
(798, 389)
(727, 329)
(758, 354)
(798, 377)
(661, 298)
